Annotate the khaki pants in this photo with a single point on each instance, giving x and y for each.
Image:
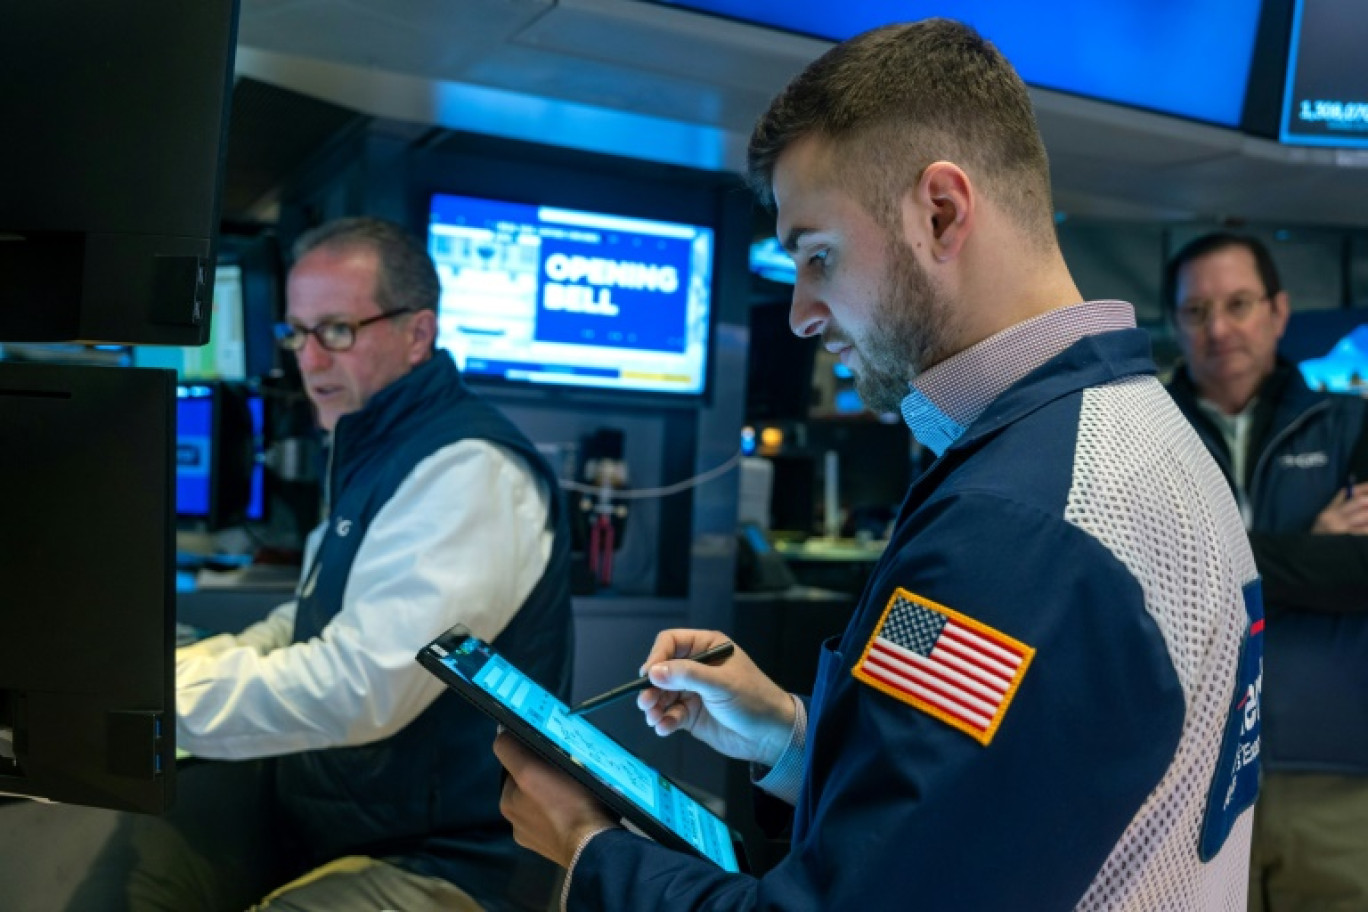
(356, 884)
(1310, 844)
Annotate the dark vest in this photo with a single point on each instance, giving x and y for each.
(427, 797)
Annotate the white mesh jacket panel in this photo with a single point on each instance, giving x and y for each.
(1144, 485)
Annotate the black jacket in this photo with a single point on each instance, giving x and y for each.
(1303, 448)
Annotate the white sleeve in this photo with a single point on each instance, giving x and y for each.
(271, 632)
(463, 540)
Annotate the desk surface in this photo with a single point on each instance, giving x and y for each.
(831, 549)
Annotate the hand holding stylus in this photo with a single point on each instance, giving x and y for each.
(732, 707)
(710, 656)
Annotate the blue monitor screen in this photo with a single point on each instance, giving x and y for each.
(562, 296)
(256, 498)
(1189, 58)
(1326, 99)
(194, 450)
(195, 422)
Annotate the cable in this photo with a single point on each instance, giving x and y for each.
(666, 491)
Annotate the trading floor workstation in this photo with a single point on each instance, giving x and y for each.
(607, 281)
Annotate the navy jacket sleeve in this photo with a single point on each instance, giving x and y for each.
(1305, 571)
(898, 808)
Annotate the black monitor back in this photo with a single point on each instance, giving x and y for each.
(114, 118)
(778, 366)
(87, 593)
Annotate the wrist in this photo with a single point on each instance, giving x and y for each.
(578, 838)
(780, 736)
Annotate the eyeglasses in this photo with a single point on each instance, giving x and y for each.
(1195, 314)
(334, 335)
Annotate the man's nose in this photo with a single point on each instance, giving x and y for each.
(1219, 323)
(808, 316)
(313, 356)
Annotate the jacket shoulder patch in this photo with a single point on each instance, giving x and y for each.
(944, 663)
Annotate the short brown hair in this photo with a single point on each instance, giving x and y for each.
(1215, 242)
(407, 278)
(897, 98)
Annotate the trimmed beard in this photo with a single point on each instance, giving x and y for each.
(913, 326)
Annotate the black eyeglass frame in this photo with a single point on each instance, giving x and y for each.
(293, 338)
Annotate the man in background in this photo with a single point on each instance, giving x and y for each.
(370, 785)
(1294, 460)
(1041, 701)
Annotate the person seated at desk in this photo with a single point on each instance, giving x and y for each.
(382, 792)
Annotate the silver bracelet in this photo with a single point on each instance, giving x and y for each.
(574, 859)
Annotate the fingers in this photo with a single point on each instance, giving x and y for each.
(673, 712)
(1345, 515)
(711, 682)
(677, 643)
(512, 753)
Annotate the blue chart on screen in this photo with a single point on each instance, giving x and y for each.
(609, 761)
(548, 295)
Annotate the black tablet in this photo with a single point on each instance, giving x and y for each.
(643, 796)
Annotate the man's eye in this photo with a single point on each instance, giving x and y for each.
(818, 259)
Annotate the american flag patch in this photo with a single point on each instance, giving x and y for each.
(951, 666)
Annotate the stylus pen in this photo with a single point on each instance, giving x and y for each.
(707, 656)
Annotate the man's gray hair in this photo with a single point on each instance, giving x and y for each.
(407, 277)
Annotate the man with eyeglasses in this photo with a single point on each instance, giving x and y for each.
(438, 511)
(1294, 459)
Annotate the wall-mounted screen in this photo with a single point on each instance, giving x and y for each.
(563, 296)
(1191, 59)
(1326, 100)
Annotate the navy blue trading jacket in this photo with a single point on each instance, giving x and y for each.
(1118, 773)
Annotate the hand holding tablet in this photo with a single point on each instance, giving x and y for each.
(621, 781)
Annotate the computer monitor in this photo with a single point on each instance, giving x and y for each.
(112, 164)
(87, 700)
(540, 294)
(224, 356)
(1325, 101)
(220, 481)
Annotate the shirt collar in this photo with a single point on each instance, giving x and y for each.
(945, 399)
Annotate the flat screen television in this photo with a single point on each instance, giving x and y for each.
(566, 297)
(1190, 59)
(1326, 99)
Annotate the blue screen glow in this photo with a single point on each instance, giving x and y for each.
(561, 296)
(1326, 100)
(194, 450)
(195, 426)
(1189, 58)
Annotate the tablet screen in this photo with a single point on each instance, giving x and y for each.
(633, 779)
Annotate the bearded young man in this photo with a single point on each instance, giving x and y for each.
(1047, 696)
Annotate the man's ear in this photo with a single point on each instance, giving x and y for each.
(1282, 309)
(423, 327)
(939, 211)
